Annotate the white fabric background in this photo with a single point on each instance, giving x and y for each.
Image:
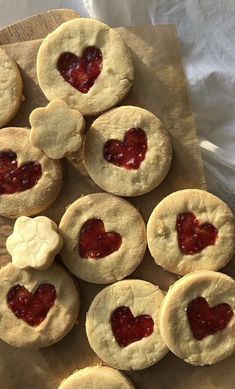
(206, 29)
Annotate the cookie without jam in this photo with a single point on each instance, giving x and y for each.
(11, 86)
(191, 230)
(104, 238)
(85, 63)
(37, 308)
(127, 151)
(98, 377)
(197, 317)
(145, 345)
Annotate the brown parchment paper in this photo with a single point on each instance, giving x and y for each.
(160, 87)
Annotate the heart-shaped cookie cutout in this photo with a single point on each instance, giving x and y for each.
(82, 72)
(205, 320)
(127, 328)
(128, 153)
(15, 179)
(31, 307)
(95, 242)
(193, 237)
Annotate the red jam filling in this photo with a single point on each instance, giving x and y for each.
(129, 153)
(127, 328)
(193, 237)
(95, 242)
(205, 320)
(17, 179)
(82, 72)
(31, 307)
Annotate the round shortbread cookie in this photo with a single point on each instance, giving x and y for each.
(197, 317)
(56, 129)
(11, 87)
(104, 238)
(127, 151)
(85, 63)
(122, 325)
(191, 230)
(29, 180)
(37, 308)
(96, 377)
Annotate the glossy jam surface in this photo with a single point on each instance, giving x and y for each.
(31, 307)
(82, 72)
(205, 320)
(95, 242)
(193, 237)
(127, 328)
(15, 179)
(128, 153)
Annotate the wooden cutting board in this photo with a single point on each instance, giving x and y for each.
(158, 88)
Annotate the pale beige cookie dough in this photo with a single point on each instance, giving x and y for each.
(75, 36)
(97, 377)
(216, 288)
(119, 217)
(39, 197)
(56, 129)
(142, 298)
(11, 86)
(59, 319)
(34, 242)
(117, 179)
(162, 234)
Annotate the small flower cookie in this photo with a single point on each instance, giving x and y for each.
(197, 317)
(11, 86)
(127, 151)
(34, 242)
(191, 230)
(122, 325)
(98, 377)
(56, 129)
(85, 63)
(37, 308)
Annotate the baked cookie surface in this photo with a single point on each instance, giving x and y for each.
(29, 180)
(96, 377)
(104, 238)
(37, 308)
(197, 317)
(85, 63)
(122, 325)
(127, 151)
(11, 87)
(191, 230)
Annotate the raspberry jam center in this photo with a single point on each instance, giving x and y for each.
(82, 72)
(32, 308)
(95, 242)
(193, 237)
(15, 179)
(127, 328)
(129, 153)
(205, 320)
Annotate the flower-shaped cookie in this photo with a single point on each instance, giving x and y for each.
(34, 242)
(56, 129)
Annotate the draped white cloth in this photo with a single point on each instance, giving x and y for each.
(206, 31)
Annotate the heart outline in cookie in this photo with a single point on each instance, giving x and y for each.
(127, 328)
(31, 307)
(14, 179)
(205, 320)
(130, 152)
(81, 72)
(95, 242)
(192, 236)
